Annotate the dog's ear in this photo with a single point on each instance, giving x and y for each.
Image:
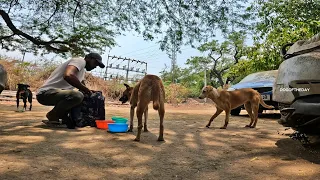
(215, 92)
(126, 85)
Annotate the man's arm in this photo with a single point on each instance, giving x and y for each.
(71, 77)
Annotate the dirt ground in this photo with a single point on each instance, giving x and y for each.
(30, 150)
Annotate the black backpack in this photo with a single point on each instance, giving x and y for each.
(91, 109)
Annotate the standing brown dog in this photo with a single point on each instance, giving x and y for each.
(150, 88)
(228, 100)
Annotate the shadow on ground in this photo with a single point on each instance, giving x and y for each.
(29, 150)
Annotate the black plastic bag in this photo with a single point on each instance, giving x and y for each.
(91, 109)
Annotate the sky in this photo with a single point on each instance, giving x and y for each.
(131, 46)
(135, 47)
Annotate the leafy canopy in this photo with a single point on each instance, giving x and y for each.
(278, 22)
(77, 27)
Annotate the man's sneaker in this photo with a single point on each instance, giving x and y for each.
(53, 123)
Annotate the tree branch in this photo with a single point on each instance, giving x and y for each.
(36, 41)
(6, 37)
(224, 69)
(74, 12)
(218, 75)
(54, 12)
(235, 55)
(122, 5)
(47, 22)
(11, 5)
(215, 59)
(220, 54)
(170, 13)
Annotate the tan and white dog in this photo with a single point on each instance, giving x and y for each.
(149, 88)
(228, 100)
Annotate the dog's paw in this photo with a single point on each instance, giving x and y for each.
(130, 130)
(247, 126)
(145, 130)
(252, 126)
(136, 139)
(160, 139)
(223, 127)
(207, 126)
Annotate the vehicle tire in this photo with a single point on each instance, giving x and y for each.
(235, 112)
(284, 115)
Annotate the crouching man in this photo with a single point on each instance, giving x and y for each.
(58, 90)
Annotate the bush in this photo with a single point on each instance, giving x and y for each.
(36, 74)
(194, 92)
(112, 89)
(26, 73)
(176, 93)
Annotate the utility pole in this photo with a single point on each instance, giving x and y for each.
(173, 61)
(205, 75)
(127, 75)
(24, 53)
(106, 73)
(111, 65)
(205, 79)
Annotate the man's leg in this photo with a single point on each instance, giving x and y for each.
(76, 116)
(62, 100)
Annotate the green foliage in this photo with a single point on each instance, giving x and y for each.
(275, 23)
(193, 80)
(76, 27)
(221, 56)
(278, 22)
(168, 76)
(240, 70)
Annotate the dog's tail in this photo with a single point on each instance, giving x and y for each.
(264, 104)
(156, 95)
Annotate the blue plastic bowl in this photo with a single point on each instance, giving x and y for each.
(118, 127)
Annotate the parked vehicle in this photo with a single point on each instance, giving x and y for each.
(260, 81)
(297, 86)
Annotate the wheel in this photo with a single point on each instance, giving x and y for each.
(281, 106)
(284, 115)
(235, 112)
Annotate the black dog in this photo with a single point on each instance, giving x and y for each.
(24, 93)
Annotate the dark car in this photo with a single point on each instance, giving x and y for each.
(260, 81)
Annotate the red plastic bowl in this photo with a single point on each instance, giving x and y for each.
(103, 124)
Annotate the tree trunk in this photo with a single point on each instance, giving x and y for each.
(220, 80)
(216, 74)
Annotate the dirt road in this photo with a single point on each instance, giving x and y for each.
(29, 150)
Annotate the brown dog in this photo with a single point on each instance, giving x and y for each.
(228, 100)
(149, 88)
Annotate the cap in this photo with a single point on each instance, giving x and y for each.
(97, 57)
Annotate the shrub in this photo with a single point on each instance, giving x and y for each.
(176, 93)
